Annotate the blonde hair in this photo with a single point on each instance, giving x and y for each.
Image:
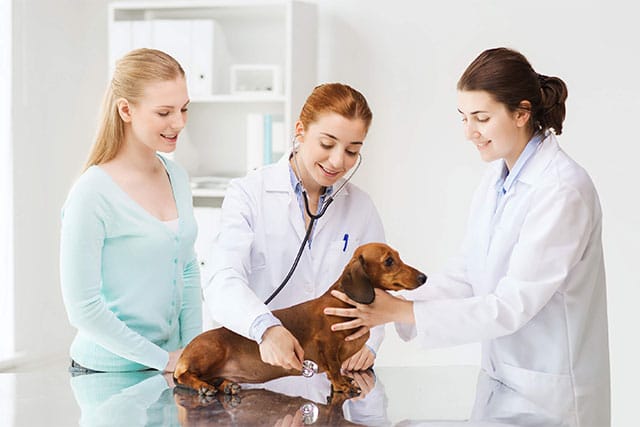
(131, 75)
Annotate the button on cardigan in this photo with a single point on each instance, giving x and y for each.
(131, 285)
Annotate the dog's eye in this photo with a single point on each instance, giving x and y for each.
(388, 262)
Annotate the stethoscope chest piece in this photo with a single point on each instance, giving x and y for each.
(309, 368)
(309, 413)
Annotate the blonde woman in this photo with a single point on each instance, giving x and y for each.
(129, 276)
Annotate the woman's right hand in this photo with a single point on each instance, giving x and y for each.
(280, 348)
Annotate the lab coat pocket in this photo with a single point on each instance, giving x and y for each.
(338, 255)
(539, 387)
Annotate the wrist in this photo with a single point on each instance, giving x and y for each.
(405, 312)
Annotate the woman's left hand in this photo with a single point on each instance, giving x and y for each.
(361, 360)
(384, 309)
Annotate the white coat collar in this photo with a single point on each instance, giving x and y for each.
(536, 166)
(546, 152)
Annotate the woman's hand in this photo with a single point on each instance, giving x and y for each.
(295, 420)
(366, 380)
(173, 360)
(360, 361)
(280, 348)
(384, 309)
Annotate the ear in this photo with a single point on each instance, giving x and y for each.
(356, 283)
(523, 113)
(124, 110)
(299, 130)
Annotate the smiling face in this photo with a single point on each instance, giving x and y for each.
(496, 132)
(155, 120)
(328, 148)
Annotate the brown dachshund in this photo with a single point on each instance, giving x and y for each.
(218, 359)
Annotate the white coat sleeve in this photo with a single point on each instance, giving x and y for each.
(230, 300)
(551, 241)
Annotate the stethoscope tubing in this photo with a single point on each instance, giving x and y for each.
(312, 219)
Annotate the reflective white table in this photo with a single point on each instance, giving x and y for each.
(430, 396)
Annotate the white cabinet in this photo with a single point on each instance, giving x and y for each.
(250, 65)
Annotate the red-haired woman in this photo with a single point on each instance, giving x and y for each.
(264, 221)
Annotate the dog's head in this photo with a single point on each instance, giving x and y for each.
(377, 265)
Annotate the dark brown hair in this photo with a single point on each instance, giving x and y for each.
(335, 98)
(508, 76)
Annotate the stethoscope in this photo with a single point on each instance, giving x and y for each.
(312, 217)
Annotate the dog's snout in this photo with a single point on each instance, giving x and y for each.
(422, 278)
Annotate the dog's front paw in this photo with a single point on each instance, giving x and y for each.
(232, 400)
(348, 387)
(231, 388)
(206, 392)
(354, 391)
(206, 399)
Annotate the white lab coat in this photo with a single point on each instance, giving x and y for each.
(529, 283)
(260, 232)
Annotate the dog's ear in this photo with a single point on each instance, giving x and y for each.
(356, 283)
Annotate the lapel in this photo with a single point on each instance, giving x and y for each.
(535, 167)
(278, 186)
(487, 211)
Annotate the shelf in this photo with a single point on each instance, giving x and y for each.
(242, 58)
(209, 186)
(248, 98)
(208, 192)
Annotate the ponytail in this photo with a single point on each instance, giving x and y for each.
(552, 111)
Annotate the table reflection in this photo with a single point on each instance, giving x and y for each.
(149, 398)
(124, 398)
(501, 406)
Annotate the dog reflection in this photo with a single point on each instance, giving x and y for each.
(257, 407)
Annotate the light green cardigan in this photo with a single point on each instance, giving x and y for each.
(131, 286)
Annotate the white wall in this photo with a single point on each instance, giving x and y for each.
(406, 57)
(6, 188)
(59, 72)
